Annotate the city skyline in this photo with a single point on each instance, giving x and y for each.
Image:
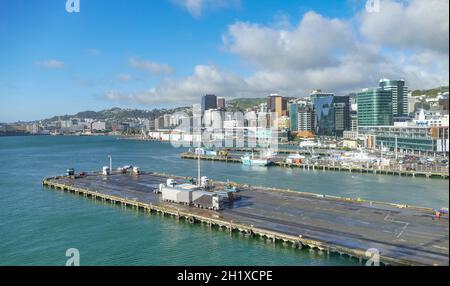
(93, 60)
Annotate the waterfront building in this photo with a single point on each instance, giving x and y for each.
(409, 139)
(14, 129)
(399, 92)
(209, 101)
(33, 128)
(374, 107)
(66, 123)
(98, 126)
(117, 127)
(149, 125)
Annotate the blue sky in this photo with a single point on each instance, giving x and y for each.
(149, 54)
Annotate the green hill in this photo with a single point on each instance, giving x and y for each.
(244, 103)
(430, 92)
(117, 114)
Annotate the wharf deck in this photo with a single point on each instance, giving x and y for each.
(280, 161)
(403, 235)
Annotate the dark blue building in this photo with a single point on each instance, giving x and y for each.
(332, 114)
(209, 101)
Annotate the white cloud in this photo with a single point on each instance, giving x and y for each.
(331, 54)
(151, 67)
(51, 64)
(197, 7)
(317, 53)
(418, 24)
(314, 42)
(335, 55)
(205, 79)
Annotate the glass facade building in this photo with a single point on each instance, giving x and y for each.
(409, 138)
(399, 92)
(293, 114)
(209, 101)
(302, 117)
(341, 110)
(332, 114)
(324, 115)
(374, 107)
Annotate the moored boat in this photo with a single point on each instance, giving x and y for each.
(250, 160)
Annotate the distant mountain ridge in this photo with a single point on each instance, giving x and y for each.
(117, 114)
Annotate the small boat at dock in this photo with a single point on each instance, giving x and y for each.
(250, 160)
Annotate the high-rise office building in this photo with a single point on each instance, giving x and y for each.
(318, 93)
(399, 96)
(159, 123)
(167, 120)
(323, 111)
(353, 112)
(374, 107)
(341, 110)
(306, 118)
(302, 116)
(293, 114)
(221, 103)
(353, 121)
(277, 104)
(331, 113)
(209, 101)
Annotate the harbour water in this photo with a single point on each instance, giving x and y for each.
(38, 225)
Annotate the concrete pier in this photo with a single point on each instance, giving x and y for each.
(403, 235)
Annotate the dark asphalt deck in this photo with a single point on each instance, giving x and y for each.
(408, 234)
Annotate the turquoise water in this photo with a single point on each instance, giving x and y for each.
(37, 225)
